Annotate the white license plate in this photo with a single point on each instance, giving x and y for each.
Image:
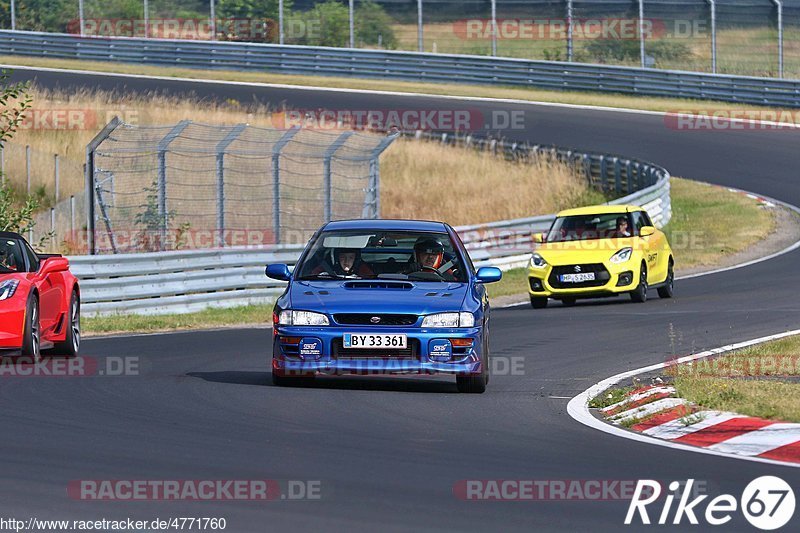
(577, 278)
(373, 341)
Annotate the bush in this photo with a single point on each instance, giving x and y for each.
(621, 50)
(328, 24)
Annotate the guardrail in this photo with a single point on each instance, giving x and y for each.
(186, 281)
(406, 66)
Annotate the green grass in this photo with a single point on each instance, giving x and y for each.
(251, 314)
(710, 223)
(713, 385)
(609, 397)
(574, 97)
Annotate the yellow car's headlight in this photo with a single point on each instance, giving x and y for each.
(622, 256)
(537, 261)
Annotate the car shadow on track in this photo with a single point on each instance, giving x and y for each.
(367, 383)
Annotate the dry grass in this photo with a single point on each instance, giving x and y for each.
(461, 186)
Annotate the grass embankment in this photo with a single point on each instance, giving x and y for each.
(448, 89)
(736, 382)
(251, 314)
(708, 225)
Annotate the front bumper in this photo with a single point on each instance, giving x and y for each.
(332, 358)
(610, 279)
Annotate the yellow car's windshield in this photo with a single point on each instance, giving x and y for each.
(590, 227)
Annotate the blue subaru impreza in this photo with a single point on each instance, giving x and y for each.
(383, 297)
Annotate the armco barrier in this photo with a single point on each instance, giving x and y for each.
(406, 66)
(186, 281)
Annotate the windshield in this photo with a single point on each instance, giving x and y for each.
(11, 258)
(588, 227)
(404, 255)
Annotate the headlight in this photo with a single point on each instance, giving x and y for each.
(538, 261)
(622, 256)
(302, 318)
(8, 288)
(449, 320)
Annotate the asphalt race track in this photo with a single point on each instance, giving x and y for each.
(388, 451)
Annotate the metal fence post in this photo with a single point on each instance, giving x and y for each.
(326, 172)
(276, 181)
(163, 145)
(56, 175)
(494, 27)
(13, 15)
(372, 201)
(352, 25)
(2, 164)
(72, 217)
(81, 19)
(712, 5)
(570, 30)
(779, 6)
(281, 35)
(88, 170)
(213, 14)
(420, 44)
(221, 147)
(146, 8)
(28, 166)
(52, 225)
(641, 31)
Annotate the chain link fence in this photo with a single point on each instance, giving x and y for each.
(744, 37)
(190, 186)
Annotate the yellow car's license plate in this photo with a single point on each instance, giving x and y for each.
(577, 278)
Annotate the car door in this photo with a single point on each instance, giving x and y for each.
(649, 246)
(50, 292)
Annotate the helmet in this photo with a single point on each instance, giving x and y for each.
(429, 245)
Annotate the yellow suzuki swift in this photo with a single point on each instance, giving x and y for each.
(600, 251)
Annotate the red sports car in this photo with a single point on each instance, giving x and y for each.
(39, 302)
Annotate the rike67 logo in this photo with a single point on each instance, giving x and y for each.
(767, 503)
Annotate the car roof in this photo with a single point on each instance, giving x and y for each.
(600, 210)
(386, 224)
(10, 235)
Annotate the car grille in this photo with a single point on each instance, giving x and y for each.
(365, 319)
(601, 276)
(411, 351)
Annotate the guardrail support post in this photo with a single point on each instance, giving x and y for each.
(779, 6)
(89, 169)
(326, 172)
(276, 181)
(163, 145)
(221, 147)
(570, 30)
(712, 5)
(617, 177)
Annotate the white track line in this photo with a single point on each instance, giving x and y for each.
(578, 407)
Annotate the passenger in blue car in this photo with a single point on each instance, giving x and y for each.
(346, 262)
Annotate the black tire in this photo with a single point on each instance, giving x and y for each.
(639, 294)
(568, 302)
(472, 384)
(538, 302)
(72, 343)
(31, 340)
(668, 289)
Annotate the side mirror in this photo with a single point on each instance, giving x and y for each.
(51, 265)
(488, 274)
(646, 231)
(278, 271)
(538, 238)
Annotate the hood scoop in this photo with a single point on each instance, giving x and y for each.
(378, 284)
